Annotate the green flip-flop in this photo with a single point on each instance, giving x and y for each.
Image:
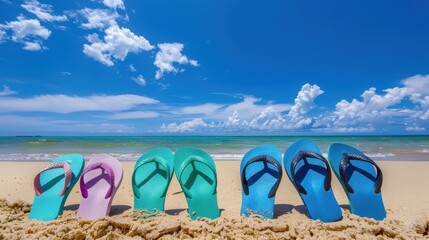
(151, 178)
(196, 172)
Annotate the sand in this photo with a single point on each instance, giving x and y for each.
(405, 193)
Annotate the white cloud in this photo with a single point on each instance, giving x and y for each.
(415, 129)
(132, 68)
(3, 35)
(304, 102)
(117, 43)
(139, 80)
(43, 11)
(133, 115)
(28, 32)
(7, 91)
(205, 109)
(376, 110)
(98, 18)
(69, 104)
(167, 56)
(247, 115)
(190, 126)
(114, 4)
(65, 73)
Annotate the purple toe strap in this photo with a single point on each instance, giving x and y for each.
(107, 169)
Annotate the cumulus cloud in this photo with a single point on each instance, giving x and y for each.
(68, 104)
(43, 11)
(28, 32)
(304, 102)
(190, 126)
(139, 80)
(247, 115)
(98, 18)
(167, 56)
(7, 91)
(114, 4)
(3, 35)
(116, 44)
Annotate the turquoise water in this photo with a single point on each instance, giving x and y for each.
(221, 148)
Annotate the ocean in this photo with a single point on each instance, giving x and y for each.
(220, 147)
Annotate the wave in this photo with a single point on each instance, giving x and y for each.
(135, 156)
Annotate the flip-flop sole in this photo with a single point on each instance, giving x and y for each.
(320, 204)
(364, 201)
(152, 181)
(199, 180)
(260, 179)
(96, 206)
(49, 204)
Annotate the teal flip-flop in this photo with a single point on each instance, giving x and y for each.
(53, 185)
(361, 179)
(310, 174)
(151, 178)
(196, 172)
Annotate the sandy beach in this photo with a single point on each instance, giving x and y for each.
(405, 193)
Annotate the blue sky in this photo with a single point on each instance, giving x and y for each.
(159, 67)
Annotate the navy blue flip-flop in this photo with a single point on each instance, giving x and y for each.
(310, 173)
(261, 173)
(361, 179)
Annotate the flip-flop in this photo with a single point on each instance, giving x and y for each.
(53, 185)
(196, 172)
(98, 184)
(311, 176)
(361, 179)
(261, 173)
(151, 178)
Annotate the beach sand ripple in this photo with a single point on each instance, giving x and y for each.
(14, 224)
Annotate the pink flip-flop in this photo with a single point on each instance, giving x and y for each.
(98, 185)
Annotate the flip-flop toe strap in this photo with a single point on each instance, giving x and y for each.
(107, 169)
(67, 177)
(155, 159)
(303, 155)
(189, 160)
(266, 159)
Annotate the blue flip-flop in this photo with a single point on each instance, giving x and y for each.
(361, 179)
(53, 185)
(261, 173)
(310, 173)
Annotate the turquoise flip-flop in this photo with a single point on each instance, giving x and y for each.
(196, 172)
(361, 179)
(151, 178)
(261, 173)
(310, 174)
(53, 185)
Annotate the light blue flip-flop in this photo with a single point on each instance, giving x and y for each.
(151, 178)
(53, 185)
(361, 179)
(196, 172)
(261, 173)
(310, 173)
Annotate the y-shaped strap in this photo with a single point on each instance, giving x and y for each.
(67, 177)
(304, 155)
(345, 161)
(155, 159)
(103, 166)
(265, 159)
(189, 160)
